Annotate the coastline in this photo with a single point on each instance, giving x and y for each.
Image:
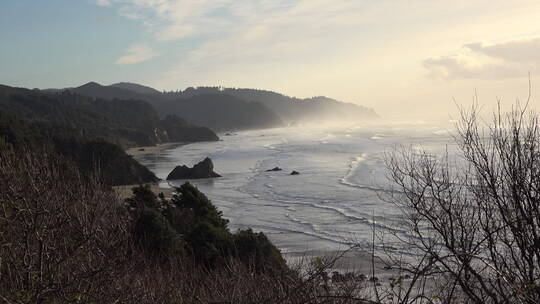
(358, 261)
(144, 150)
(354, 260)
(124, 191)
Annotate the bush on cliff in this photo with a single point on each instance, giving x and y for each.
(205, 232)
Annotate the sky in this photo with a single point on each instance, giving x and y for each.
(407, 59)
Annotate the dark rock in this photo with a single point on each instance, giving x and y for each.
(274, 169)
(204, 169)
(295, 173)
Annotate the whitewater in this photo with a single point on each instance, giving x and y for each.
(333, 204)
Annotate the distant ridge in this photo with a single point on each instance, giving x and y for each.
(224, 109)
(94, 89)
(216, 111)
(137, 88)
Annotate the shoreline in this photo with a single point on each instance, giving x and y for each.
(161, 186)
(358, 261)
(145, 150)
(353, 260)
(124, 191)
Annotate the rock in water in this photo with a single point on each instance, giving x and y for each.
(295, 173)
(274, 169)
(204, 169)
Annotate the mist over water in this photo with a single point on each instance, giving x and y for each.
(334, 202)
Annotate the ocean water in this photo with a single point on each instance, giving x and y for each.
(333, 204)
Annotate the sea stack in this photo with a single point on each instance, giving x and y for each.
(204, 169)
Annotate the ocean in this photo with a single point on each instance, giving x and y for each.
(334, 203)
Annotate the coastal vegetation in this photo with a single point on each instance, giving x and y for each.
(69, 239)
(90, 132)
(90, 156)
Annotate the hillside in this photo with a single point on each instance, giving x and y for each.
(245, 108)
(217, 111)
(118, 91)
(290, 109)
(108, 160)
(222, 112)
(137, 88)
(124, 122)
(90, 132)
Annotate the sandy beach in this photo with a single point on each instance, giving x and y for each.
(139, 151)
(355, 260)
(124, 191)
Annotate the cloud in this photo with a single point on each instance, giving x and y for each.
(103, 2)
(509, 59)
(175, 32)
(250, 32)
(137, 54)
(465, 67)
(523, 50)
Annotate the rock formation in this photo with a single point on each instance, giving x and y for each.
(204, 169)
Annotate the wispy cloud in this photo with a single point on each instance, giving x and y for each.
(137, 54)
(248, 32)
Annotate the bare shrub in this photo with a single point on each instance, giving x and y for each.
(182, 281)
(475, 220)
(62, 237)
(65, 238)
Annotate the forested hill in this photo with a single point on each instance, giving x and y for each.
(290, 109)
(125, 122)
(219, 112)
(89, 131)
(244, 108)
(222, 112)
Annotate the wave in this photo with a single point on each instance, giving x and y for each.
(360, 219)
(308, 233)
(360, 186)
(354, 165)
(378, 137)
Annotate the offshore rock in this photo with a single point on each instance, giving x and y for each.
(204, 169)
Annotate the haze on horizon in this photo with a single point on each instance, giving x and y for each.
(406, 59)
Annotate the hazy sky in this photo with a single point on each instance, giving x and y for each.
(398, 56)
